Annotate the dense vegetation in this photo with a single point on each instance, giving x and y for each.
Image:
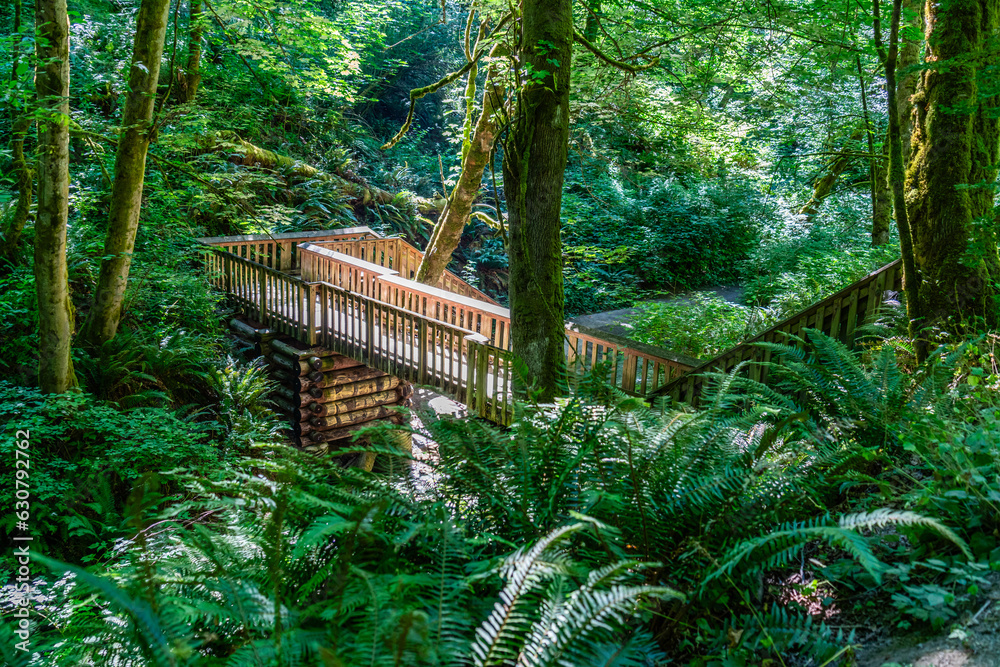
(696, 144)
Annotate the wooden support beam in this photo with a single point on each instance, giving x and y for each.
(293, 349)
(320, 424)
(351, 390)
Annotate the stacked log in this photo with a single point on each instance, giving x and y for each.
(326, 397)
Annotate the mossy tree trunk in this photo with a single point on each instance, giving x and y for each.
(534, 164)
(130, 171)
(906, 86)
(249, 155)
(956, 147)
(55, 309)
(911, 276)
(20, 123)
(192, 73)
(448, 230)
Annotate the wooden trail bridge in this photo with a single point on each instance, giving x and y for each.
(352, 291)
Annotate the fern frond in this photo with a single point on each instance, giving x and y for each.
(497, 639)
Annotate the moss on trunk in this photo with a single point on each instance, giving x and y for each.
(245, 153)
(192, 72)
(130, 172)
(955, 153)
(534, 165)
(448, 230)
(55, 309)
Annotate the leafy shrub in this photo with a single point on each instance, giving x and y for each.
(816, 277)
(701, 325)
(677, 235)
(18, 322)
(81, 449)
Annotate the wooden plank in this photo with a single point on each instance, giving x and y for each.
(852, 318)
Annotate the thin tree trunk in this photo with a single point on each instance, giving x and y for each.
(448, 230)
(911, 277)
(20, 122)
(824, 185)
(55, 309)
(192, 72)
(22, 171)
(906, 84)
(593, 17)
(870, 136)
(130, 171)
(882, 213)
(534, 165)
(956, 147)
(906, 80)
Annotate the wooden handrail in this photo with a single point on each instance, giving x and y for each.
(398, 254)
(346, 232)
(280, 251)
(838, 316)
(357, 275)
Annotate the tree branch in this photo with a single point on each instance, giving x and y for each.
(618, 64)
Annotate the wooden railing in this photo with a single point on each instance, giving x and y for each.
(397, 341)
(402, 257)
(838, 316)
(352, 299)
(633, 367)
(280, 251)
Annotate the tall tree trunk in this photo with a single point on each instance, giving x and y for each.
(906, 86)
(911, 275)
(448, 230)
(130, 171)
(22, 210)
(882, 213)
(824, 184)
(55, 309)
(593, 20)
(534, 165)
(192, 73)
(956, 147)
(20, 122)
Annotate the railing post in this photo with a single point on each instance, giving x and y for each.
(422, 351)
(369, 331)
(482, 379)
(309, 315)
(470, 373)
(263, 295)
(227, 268)
(629, 371)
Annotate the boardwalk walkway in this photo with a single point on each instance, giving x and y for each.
(352, 291)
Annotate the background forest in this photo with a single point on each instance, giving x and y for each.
(853, 499)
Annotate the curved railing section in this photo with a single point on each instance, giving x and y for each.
(838, 316)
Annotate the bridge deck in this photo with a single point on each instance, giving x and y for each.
(353, 294)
